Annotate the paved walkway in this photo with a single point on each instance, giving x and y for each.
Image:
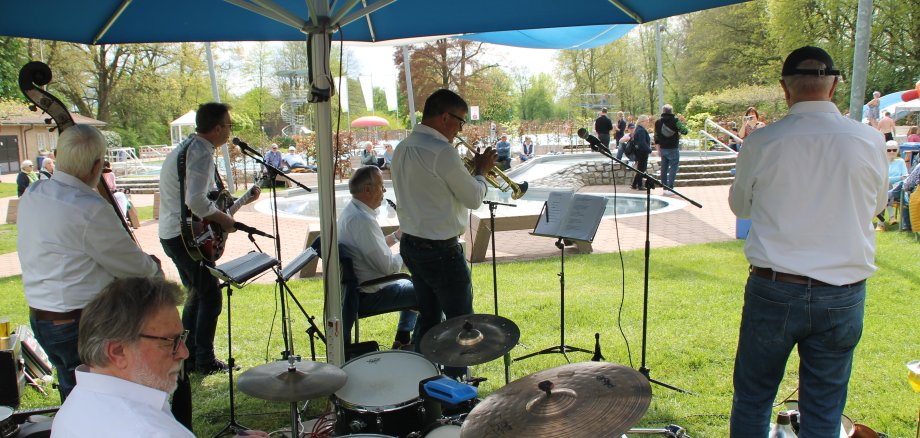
(688, 225)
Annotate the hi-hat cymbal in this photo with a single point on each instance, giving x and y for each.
(470, 340)
(278, 381)
(586, 399)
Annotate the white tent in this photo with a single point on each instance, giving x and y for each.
(901, 109)
(181, 127)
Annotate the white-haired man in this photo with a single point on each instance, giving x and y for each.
(71, 244)
(132, 345)
(811, 184)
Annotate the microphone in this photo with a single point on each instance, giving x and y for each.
(251, 230)
(245, 147)
(592, 140)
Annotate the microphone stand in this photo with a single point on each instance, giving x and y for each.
(285, 319)
(650, 182)
(492, 206)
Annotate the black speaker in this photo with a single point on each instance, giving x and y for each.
(12, 375)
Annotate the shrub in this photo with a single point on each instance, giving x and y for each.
(732, 102)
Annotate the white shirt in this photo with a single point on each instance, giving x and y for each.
(106, 406)
(434, 190)
(359, 231)
(199, 180)
(292, 159)
(811, 184)
(71, 245)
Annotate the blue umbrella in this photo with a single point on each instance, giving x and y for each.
(127, 21)
(560, 38)
(135, 21)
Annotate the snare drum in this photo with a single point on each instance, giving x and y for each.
(382, 394)
(445, 431)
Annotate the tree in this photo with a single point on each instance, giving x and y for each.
(12, 58)
(451, 64)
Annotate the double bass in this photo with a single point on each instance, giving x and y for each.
(37, 74)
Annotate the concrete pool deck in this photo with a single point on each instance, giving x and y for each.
(688, 225)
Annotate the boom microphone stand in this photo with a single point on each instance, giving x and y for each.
(274, 172)
(650, 182)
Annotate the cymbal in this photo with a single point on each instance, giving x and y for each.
(470, 340)
(585, 399)
(277, 381)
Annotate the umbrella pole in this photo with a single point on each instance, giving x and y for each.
(326, 184)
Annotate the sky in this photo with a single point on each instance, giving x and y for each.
(377, 61)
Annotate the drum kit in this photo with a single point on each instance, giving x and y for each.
(391, 393)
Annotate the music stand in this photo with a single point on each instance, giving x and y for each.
(236, 273)
(589, 212)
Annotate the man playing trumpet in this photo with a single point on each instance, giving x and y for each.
(435, 191)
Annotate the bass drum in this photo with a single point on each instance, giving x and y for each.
(382, 394)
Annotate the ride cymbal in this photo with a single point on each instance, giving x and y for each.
(470, 340)
(280, 381)
(586, 399)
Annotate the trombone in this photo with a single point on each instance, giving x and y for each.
(495, 177)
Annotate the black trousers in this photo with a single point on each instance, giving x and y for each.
(641, 164)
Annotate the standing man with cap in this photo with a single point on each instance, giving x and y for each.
(811, 184)
(603, 126)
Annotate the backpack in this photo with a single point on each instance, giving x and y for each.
(630, 149)
(666, 131)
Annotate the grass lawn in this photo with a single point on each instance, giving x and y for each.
(694, 310)
(7, 238)
(7, 190)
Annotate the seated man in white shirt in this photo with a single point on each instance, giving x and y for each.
(370, 252)
(132, 345)
(293, 160)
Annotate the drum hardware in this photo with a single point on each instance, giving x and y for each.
(381, 394)
(583, 399)
(670, 431)
(236, 273)
(291, 381)
(470, 340)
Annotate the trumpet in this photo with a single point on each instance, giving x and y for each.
(495, 177)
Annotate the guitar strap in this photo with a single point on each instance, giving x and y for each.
(181, 163)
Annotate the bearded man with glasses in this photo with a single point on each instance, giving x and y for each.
(434, 192)
(132, 345)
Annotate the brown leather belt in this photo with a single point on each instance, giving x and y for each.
(47, 315)
(783, 277)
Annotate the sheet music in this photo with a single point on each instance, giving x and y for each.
(571, 216)
(554, 210)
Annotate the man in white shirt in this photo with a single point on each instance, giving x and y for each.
(132, 344)
(811, 184)
(434, 192)
(71, 244)
(203, 305)
(370, 252)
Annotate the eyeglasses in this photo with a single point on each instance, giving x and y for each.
(459, 119)
(175, 341)
(892, 150)
(229, 125)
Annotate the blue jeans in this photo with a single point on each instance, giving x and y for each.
(398, 295)
(442, 284)
(60, 343)
(202, 305)
(670, 161)
(825, 323)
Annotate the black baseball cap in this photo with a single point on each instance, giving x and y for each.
(790, 66)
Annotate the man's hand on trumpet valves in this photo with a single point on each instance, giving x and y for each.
(485, 160)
